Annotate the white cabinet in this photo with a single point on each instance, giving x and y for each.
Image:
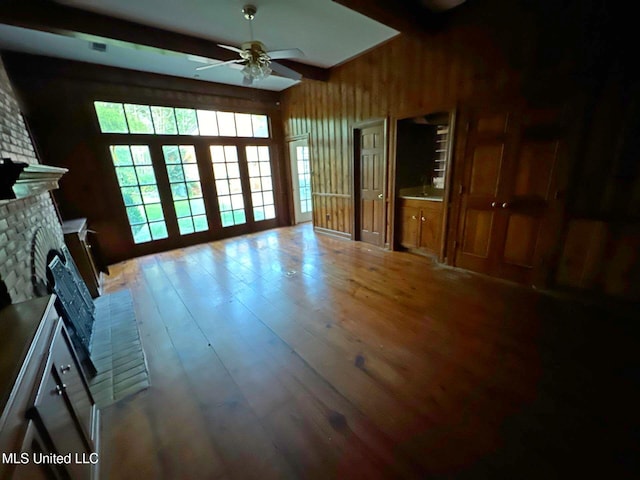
(48, 408)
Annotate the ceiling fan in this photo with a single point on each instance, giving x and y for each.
(257, 62)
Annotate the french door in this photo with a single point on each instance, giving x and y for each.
(301, 180)
(182, 193)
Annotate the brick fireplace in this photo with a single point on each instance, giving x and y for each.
(20, 220)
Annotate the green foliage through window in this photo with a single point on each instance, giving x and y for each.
(145, 119)
(261, 183)
(186, 190)
(136, 176)
(227, 174)
(139, 191)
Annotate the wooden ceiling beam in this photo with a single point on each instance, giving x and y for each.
(51, 17)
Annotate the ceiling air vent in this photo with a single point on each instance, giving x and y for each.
(98, 47)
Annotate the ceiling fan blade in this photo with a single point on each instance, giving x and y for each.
(229, 62)
(285, 71)
(229, 47)
(199, 59)
(288, 53)
(247, 81)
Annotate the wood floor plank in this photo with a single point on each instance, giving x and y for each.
(285, 354)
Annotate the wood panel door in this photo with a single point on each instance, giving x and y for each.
(481, 189)
(372, 182)
(509, 202)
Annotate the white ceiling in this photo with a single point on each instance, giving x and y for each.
(325, 31)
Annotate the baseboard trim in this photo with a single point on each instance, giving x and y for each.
(332, 233)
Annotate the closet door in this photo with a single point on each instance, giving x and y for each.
(509, 206)
(483, 185)
(529, 207)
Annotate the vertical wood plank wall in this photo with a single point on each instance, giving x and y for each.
(408, 75)
(496, 52)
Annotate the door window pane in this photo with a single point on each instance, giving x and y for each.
(139, 192)
(226, 172)
(179, 191)
(304, 178)
(259, 166)
(186, 190)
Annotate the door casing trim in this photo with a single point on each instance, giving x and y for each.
(354, 131)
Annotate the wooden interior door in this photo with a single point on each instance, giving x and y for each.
(480, 191)
(530, 205)
(372, 181)
(508, 193)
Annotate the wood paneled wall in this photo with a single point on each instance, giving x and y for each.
(471, 59)
(536, 53)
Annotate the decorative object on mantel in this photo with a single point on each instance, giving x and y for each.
(19, 179)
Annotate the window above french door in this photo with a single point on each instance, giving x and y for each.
(186, 173)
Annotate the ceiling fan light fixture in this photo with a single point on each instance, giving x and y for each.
(254, 57)
(256, 71)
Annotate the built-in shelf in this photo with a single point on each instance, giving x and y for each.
(20, 180)
(439, 168)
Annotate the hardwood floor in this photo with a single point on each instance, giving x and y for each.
(286, 354)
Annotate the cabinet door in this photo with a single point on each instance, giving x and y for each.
(70, 374)
(410, 226)
(54, 412)
(430, 229)
(33, 446)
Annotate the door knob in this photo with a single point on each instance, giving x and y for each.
(423, 219)
(493, 204)
(413, 217)
(505, 205)
(380, 195)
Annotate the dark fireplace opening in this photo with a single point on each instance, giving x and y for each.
(5, 298)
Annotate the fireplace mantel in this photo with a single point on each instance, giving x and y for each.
(20, 180)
